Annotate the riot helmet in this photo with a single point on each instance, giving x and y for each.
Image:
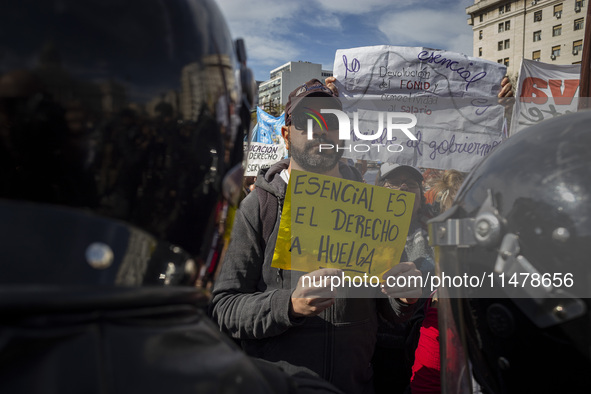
(121, 127)
(119, 122)
(519, 233)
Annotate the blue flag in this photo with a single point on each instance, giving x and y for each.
(268, 128)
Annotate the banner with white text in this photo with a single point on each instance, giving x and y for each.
(544, 91)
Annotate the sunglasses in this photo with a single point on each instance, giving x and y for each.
(300, 120)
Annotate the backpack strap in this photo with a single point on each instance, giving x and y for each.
(268, 206)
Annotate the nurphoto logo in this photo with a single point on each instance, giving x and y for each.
(388, 122)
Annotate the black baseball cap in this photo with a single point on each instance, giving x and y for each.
(312, 88)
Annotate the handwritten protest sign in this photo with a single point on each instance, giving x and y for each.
(267, 146)
(261, 155)
(544, 91)
(453, 96)
(335, 223)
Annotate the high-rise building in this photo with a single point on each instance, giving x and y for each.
(284, 79)
(506, 31)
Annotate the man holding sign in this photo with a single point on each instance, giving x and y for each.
(305, 329)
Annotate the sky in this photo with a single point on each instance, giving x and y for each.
(279, 31)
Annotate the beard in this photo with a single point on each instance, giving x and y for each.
(311, 159)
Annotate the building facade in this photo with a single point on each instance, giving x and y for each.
(507, 31)
(284, 79)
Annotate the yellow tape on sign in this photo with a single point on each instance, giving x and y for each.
(330, 222)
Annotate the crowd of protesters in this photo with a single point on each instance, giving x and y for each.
(358, 345)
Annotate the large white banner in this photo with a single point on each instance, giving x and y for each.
(544, 91)
(453, 96)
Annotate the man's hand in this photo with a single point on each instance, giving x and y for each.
(506, 88)
(505, 96)
(402, 274)
(329, 82)
(309, 300)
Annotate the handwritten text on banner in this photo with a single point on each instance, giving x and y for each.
(261, 155)
(453, 96)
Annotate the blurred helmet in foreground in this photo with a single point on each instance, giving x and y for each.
(119, 121)
(519, 233)
(121, 126)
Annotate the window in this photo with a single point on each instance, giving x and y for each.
(579, 4)
(500, 45)
(558, 10)
(555, 52)
(538, 16)
(480, 35)
(535, 55)
(577, 47)
(479, 51)
(508, 25)
(481, 17)
(537, 35)
(506, 61)
(556, 30)
(500, 61)
(501, 27)
(508, 7)
(579, 24)
(501, 10)
(507, 44)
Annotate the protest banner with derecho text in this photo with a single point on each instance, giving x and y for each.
(330, 222)
(261, 156)
(266, 143)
